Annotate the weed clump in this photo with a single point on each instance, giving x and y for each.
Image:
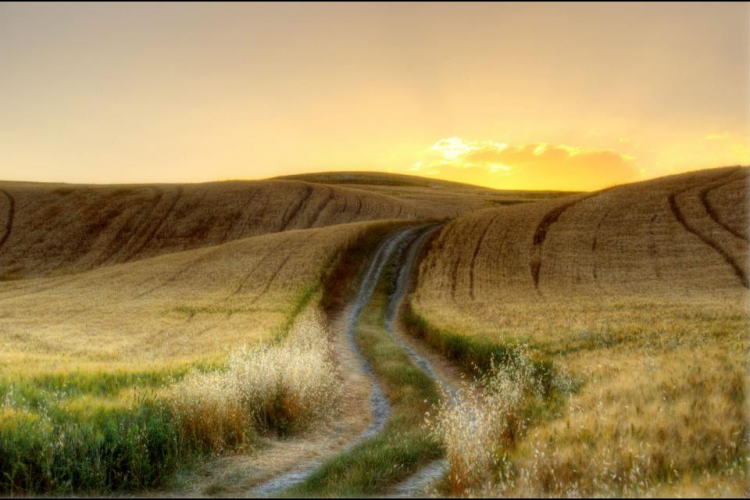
(60, 434)
(483, 421)
(279, 388)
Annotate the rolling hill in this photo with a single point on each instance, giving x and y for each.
(633, 298)
(50, 228)
(639, 294)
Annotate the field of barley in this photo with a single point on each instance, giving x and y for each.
(373, 334)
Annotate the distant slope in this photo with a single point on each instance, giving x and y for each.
(50, 228)
(452, 197)
(382, 179)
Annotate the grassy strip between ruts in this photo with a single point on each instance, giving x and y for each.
(404, 445)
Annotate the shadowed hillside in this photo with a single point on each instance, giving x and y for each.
(47, 228)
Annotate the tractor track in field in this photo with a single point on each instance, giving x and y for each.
(402, 248)
(10, 217)
(477, 249)
(122, 239)
(705, 238)
(275, 274)
(711, 211)
(677, 212)
(257, 266)
(322, 207)
(241, 214)
(541, 232)
(137, 230)
(292, 212)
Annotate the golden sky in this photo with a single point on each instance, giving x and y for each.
(532, 96)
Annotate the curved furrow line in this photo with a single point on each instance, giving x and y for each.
(652, 246)
(115, 244)
(455, 265)
(291, 213)
(711, 211)
(10, 217)
(241, 215)
(257, 266)
(379, 406)
(160, 225)
(674, 207)
(346, 205)
(540, 235)
(281, 265)
(400, 209)
(455, 268)
(51, 286)
(477, 248)
(322, 208)
(184, 269)
(116, 249)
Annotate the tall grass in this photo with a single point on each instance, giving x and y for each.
(89, 433)
(482, 424)
(280, 388)
(109, 449)
(651, 412)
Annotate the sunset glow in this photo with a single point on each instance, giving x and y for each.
(578, 96)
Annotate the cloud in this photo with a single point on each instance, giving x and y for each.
(526, 166)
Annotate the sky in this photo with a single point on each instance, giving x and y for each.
(510, 96)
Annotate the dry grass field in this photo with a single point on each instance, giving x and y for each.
(639, 294)
(112, 294)
(96, 350)
(618, 321)
(180, 306)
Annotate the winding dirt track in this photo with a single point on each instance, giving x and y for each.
(401, 249)
(379, 405)
(416, 484)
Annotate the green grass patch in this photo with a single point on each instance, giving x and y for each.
(43, 391)
(90, 431)
(109, 450)
(474, 354)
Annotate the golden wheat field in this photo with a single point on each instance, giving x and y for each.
(639, 293)
(632, 300)
(374, 250)
(112, 291)
(636, 295)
